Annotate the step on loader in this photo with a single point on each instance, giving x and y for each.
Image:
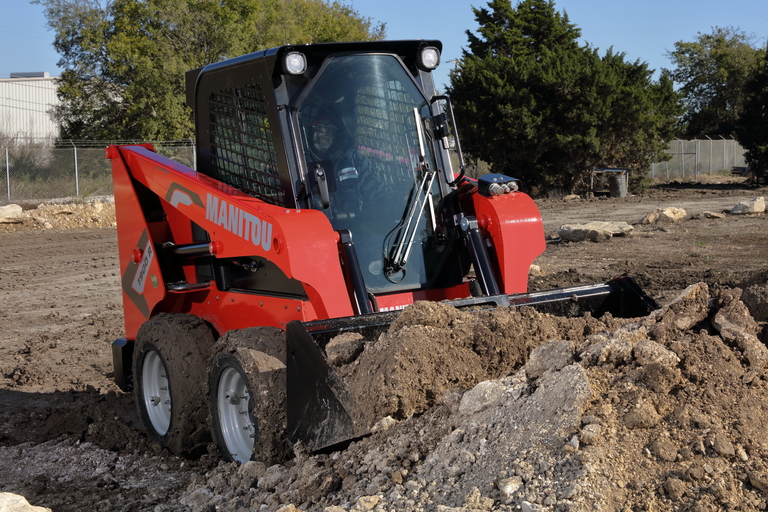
(322, 202)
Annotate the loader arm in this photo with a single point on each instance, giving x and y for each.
(300, 242)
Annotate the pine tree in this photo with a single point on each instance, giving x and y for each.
(537, 105)
(752, 124)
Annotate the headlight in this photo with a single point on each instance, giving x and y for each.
(295, 63)
(429, 58)
(490, 185)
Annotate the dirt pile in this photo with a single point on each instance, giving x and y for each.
(433, 349)
(93, 214)
(640, 417)
(665, 412)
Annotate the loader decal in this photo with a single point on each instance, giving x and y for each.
(141, 276)
(177, 195)
(134, 279)
(241, 223)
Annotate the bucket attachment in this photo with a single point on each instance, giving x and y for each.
(321, 408)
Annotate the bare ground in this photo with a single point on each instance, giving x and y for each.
(663, 413)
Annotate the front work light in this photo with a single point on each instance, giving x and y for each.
(428, 58)
(295, 63)
(490, 185)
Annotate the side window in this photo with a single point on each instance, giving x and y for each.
(242, 152)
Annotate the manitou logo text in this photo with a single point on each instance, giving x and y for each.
(242, 224)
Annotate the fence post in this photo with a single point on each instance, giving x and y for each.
(77, 179)
(7, 170)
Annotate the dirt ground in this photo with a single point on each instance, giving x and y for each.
(507, 410)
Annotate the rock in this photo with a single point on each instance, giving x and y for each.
(509, 486)
(364, 503)
(14, 503)
(675, 488)
(754, 206)
(384, 423)
(721, 444)
(643, 415)
(289, 508)
(250, 472)
(344, 348)
(736, 325)
(591, 434)
(686, 311)
(667, 215)
(482, 396)
(606, 349)
(759, 480)
(272, 477)
(552, 355)
(12, 220)
(534, 270)
(571, 197)
(756, 299)
(474, 500)
(665, 449)
(709, 215)
(647, 351)
(597, 231)
(10, 210)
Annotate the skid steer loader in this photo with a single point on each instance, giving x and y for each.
(323, 202)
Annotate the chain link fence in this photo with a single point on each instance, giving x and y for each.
(33, 170)
(692, 158)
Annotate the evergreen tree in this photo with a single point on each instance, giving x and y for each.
(536, 105)
(124, 60)
(752, 124)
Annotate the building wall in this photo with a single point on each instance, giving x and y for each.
(24, 106)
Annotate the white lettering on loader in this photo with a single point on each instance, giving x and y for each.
(241, 223)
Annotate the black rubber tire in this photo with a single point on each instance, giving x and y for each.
(184, 344)
(259, 354)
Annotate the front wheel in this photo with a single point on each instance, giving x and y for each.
(247, 390)
(170, 366)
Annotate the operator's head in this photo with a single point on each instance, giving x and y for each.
(324, 132)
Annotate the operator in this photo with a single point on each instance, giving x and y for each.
(354, 178)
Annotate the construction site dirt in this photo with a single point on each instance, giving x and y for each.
(508, 410)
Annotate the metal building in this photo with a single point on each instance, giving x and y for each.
(25, 102)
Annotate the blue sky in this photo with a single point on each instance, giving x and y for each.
(643, 30)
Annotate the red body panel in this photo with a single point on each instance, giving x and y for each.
(512, 223)
(301, 242)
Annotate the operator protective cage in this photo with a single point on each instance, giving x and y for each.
(247, 111)
(253, 118)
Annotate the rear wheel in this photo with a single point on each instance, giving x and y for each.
(170, 366)
(247, 389)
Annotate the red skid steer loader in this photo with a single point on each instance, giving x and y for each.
(323, 202)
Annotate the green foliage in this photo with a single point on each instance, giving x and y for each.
(538, 106)
(713, 71)
(125, 60)
(752, 125)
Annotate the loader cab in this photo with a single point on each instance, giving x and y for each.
(347, 129)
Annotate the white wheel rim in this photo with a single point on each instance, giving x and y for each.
(232, 402)
(157, 399)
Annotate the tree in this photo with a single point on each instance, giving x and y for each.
(713, 71)
(124, 60)
(536, 105)
(752, 124)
